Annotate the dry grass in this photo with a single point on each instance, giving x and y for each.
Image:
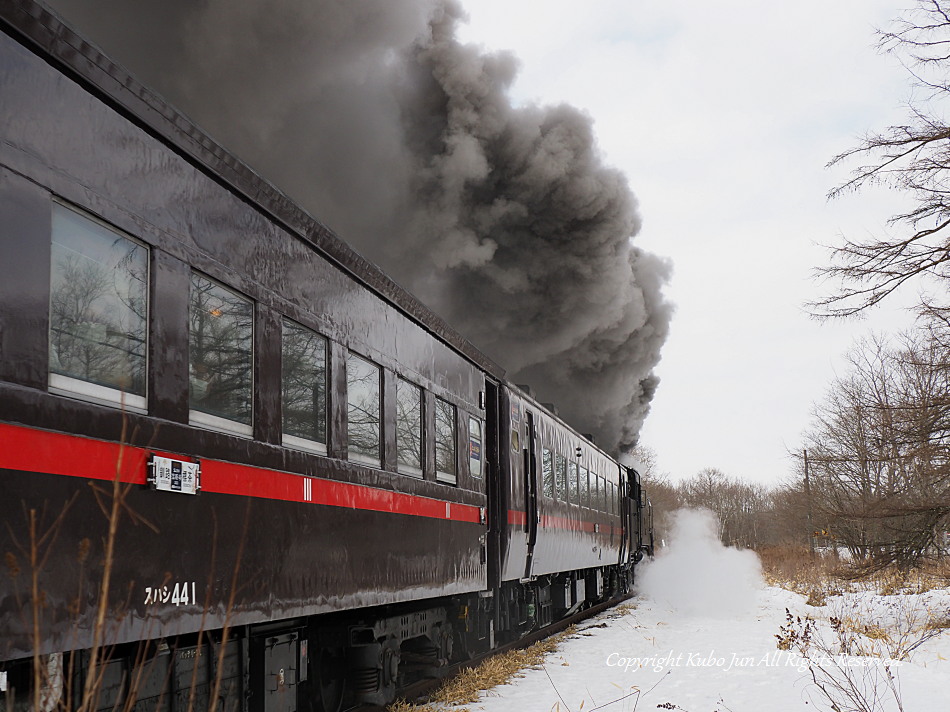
(817, 597)
(822, 574)
(938, 622)
(892, 582)
(465, 687)
(815, 576)
(796, 568)
(403, 706)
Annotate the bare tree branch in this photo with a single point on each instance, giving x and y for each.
(913, 159)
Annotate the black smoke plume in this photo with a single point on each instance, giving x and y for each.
(375, 118)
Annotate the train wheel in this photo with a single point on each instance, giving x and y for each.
(327, 680)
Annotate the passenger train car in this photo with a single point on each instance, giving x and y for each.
(240, 467)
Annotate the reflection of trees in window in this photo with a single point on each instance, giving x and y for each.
(561, 475)
(572, 481)
(363, 409)
(445, 440)
(304, 383)
(547, 473)
(409, 426)
(98, 304)
(584, 487)
(220, 346)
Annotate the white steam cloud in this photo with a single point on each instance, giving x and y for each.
(696, 575)
(388, 129)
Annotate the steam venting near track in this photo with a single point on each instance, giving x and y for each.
(696, 575)
(384, 126)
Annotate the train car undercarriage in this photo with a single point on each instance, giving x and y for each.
(324, 663)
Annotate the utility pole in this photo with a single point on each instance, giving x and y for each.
(811, 531)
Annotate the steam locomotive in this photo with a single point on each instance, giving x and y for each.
(240, 467)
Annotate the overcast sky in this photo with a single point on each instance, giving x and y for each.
(723, 116)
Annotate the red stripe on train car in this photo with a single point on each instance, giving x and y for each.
(552, 522)
(32, 450)
(518, 518)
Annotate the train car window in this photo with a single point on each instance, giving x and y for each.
(303, 388)
(475, 450)
(364, 409)
(572, 481)
(561, 475)
(547, 473)
(594, 490)
(583, 486)
(221, 356)
(98, 312)
(446, 450)
(409, 427)
(515, 428)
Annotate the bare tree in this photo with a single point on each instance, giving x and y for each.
(663, 495)
(750, 515)
(913, 158)
(786, 519)
(879, 450)
(741, 507)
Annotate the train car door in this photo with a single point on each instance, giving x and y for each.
(632, 516)
(532, 514)
(496, 466)
(624, 516)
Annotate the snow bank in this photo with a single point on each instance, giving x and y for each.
(698, 576)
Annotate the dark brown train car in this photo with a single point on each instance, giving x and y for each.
(227, 437)
(282, 527)
(566, 525)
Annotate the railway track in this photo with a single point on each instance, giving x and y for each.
(418, 691)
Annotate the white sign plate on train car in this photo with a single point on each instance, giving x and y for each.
(171, 475)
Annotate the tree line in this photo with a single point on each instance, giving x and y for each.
(872, 475)
(751, 516)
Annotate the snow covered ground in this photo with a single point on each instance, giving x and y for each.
(702, 637)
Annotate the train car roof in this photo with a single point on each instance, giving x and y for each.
(37, 26)
(526, 394)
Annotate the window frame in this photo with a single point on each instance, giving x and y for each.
(405, 469)
(358, 457)
(474, 420)
(440, 475)
(71, 386)
(209, 421)
(298, 442)
(548, 486)
(560, 477)
(573, 469)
